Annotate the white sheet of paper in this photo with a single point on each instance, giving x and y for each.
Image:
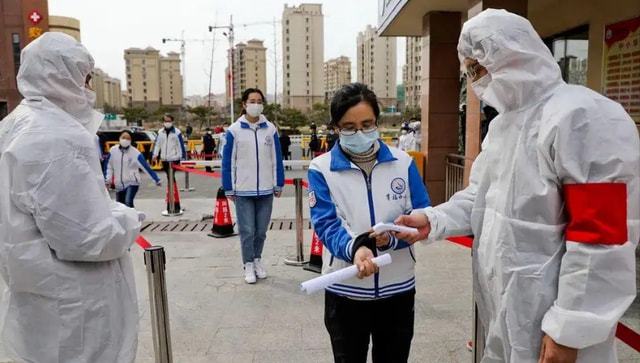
(321, 282)
(385, 227)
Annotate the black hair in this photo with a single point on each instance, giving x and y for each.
(126, 132)
(169, 116)
(247, 92)
(350, 95)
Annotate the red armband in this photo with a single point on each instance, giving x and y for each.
(597, 213)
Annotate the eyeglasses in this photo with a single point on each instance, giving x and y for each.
(472, 70)
(352, 131)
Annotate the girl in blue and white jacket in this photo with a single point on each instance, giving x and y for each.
(122, 170)
(356, 185)
(252, 173)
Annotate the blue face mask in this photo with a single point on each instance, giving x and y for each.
(360, 142)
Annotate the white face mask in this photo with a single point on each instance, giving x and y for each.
(480, 85)
(167, 125)
(254, 109)
(125, 142)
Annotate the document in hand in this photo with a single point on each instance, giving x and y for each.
(319, 283)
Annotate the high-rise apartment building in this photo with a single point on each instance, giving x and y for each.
(303, 56)
(413, 72)
(377, 65)
(170, 80)
(249, 67)
(153, 80)
(337, 72)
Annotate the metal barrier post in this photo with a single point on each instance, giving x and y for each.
(154, 260)
(477, 351)
(187, 188)
(299, 259)
(171, 208)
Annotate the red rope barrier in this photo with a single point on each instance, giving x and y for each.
(624, 333)
(143, 243)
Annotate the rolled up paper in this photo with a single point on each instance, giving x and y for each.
(384, 227)
(321, 282)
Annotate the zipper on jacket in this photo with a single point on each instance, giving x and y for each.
(122, 168)
(372, 217)
(255, 134)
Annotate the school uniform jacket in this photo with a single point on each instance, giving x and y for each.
(345, 203)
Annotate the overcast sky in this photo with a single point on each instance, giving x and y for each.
(109, 27)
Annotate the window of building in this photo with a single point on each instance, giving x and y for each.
(306, 19)
(570, 49)
(307, 29)
(15, 44)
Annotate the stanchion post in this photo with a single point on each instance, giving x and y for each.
(299, 259)
(171, 207)
(187, 187)
(154, 260)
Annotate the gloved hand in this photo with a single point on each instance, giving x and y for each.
(141, 216)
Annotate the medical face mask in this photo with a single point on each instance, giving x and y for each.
(125, 142)
(254, 109)
(167, 125)
(480, 85)
(360, 142)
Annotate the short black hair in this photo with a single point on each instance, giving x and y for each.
(169, 116)
(350, 95)
(126, 132)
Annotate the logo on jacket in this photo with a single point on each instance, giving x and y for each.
(312, 199)
(398, 185)
(268, 141)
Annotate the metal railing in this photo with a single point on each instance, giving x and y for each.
(454, 175)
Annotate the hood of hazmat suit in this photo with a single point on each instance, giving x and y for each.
(553, 202)
(64, 244)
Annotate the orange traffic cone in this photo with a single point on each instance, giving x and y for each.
(222, 221)
(315, 257)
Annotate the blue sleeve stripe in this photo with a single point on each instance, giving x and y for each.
(184, 151)
(279, 164)
(105, 165)
(147, 168)
(227, 154)
(419, 195)
(325, 220)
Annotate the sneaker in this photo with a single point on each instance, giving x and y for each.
(249, 273)
(261, 273)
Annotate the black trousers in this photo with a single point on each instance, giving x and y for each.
(389, 323)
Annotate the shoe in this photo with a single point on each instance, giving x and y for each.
(261, 273)
(249, 273)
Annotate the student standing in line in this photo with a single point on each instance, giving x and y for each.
(169, 147)
(357, 184)
(122, 165)
(252, 173)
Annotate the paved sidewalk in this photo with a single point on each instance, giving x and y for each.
(216, 317)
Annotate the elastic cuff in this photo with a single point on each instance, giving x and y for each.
(229, 193)
(277, 189)
(363, 240)
(436, 233)
(576, 329)
(393, 243)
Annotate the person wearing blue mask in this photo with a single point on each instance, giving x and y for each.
(359, 183)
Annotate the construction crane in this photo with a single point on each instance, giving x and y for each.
(229, 33)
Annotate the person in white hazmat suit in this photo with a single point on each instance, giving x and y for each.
(553, 203)
(63, 243)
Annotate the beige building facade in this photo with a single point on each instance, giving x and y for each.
(376, 65)
(337, 72)
(412, 76)
(153, 80)
(170, 80)
(64, 24)
(303, 56)
(249, 67)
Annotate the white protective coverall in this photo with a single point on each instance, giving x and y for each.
(63, 243)
(553, 202)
